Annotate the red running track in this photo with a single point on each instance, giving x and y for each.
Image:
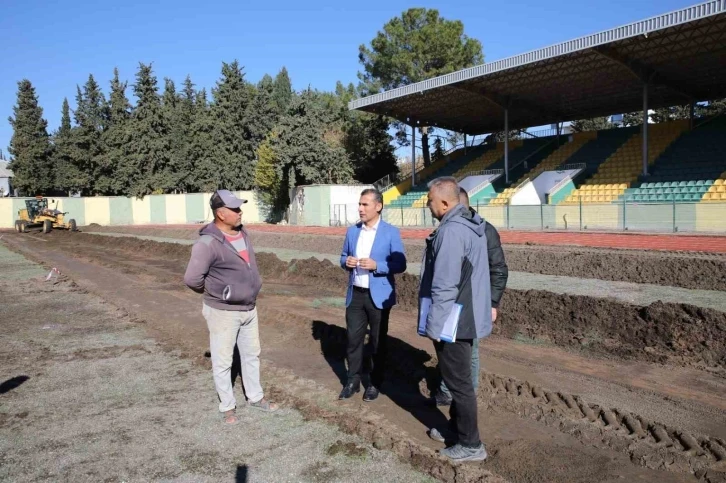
(635, 241)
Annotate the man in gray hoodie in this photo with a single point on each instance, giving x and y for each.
(455, 307)
(223, 268)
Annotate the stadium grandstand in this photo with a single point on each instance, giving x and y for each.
(672, 59)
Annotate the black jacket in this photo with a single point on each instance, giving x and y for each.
(498, 271)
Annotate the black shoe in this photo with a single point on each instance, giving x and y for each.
(349, 390)
(371, 393)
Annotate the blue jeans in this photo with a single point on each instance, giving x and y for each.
(474, 369)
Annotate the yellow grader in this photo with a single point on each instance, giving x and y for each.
(37, 213)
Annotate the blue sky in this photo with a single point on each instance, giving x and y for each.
(57, 44)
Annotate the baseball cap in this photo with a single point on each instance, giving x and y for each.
(225, 198)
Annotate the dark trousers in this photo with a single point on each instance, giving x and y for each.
(360, 314)
(455, 364)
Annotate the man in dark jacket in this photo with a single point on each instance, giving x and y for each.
(224, 269)
(498, 275)
(455, 307)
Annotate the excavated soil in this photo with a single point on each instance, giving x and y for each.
(535, 431)
(686, 270)
(664, 333)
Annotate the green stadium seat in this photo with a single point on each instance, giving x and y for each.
(699, 183)
(690, 183)
(652, 198)
(669, 191)
(659, 185)
(679, 197)
(708, 182)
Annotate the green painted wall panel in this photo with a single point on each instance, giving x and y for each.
(121, 211)
(76, 208)
(195, 204)
(561, 193)
(158, 209)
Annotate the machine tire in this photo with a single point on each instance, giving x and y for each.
(23, 227)
(72, 225)
(17, 226)
(47, 226)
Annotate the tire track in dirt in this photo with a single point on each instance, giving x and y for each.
(615, 429)
(649, 444)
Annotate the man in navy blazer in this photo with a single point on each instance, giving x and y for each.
(373, 252)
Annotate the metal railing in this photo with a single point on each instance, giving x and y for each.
(483, 172)
(543, 133)
(526, 158)
(391, 179)
(667, 217)
(564, 167)
(483, 184)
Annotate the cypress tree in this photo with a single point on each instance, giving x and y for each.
(90, 118)
(68, 178)
(262, 113)
(206, 172)
(114, 168)
(149, 147)
(233, 148)
(30, 143)
(282, 91)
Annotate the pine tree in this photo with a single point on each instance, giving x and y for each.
(68, 178)
(309, 149)
(90, 118)
(30, 144)
(367, 140)
(149, 147)
(233, 148)
(182, 136)
(261, 114)
(282, 91)
(179, 169)
(206, 173)
(114, 169)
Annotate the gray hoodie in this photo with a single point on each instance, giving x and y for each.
(217, 270)
(454, 292)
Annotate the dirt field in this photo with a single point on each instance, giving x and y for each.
(688, 270)
(573, 388)
(87, 395)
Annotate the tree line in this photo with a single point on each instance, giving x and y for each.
(242, 136)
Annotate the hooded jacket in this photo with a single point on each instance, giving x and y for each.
(217, 270)
(454, 292)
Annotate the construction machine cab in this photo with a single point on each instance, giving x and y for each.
(36, 207)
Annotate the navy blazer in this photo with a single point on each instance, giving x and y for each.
(390, 258)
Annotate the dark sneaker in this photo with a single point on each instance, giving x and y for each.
(462, 453)
(371, 393)
(349, 390)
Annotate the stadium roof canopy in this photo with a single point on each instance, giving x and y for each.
(681, 56)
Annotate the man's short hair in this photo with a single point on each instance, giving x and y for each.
(377, 196)
(462, 192)
(447, 186)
